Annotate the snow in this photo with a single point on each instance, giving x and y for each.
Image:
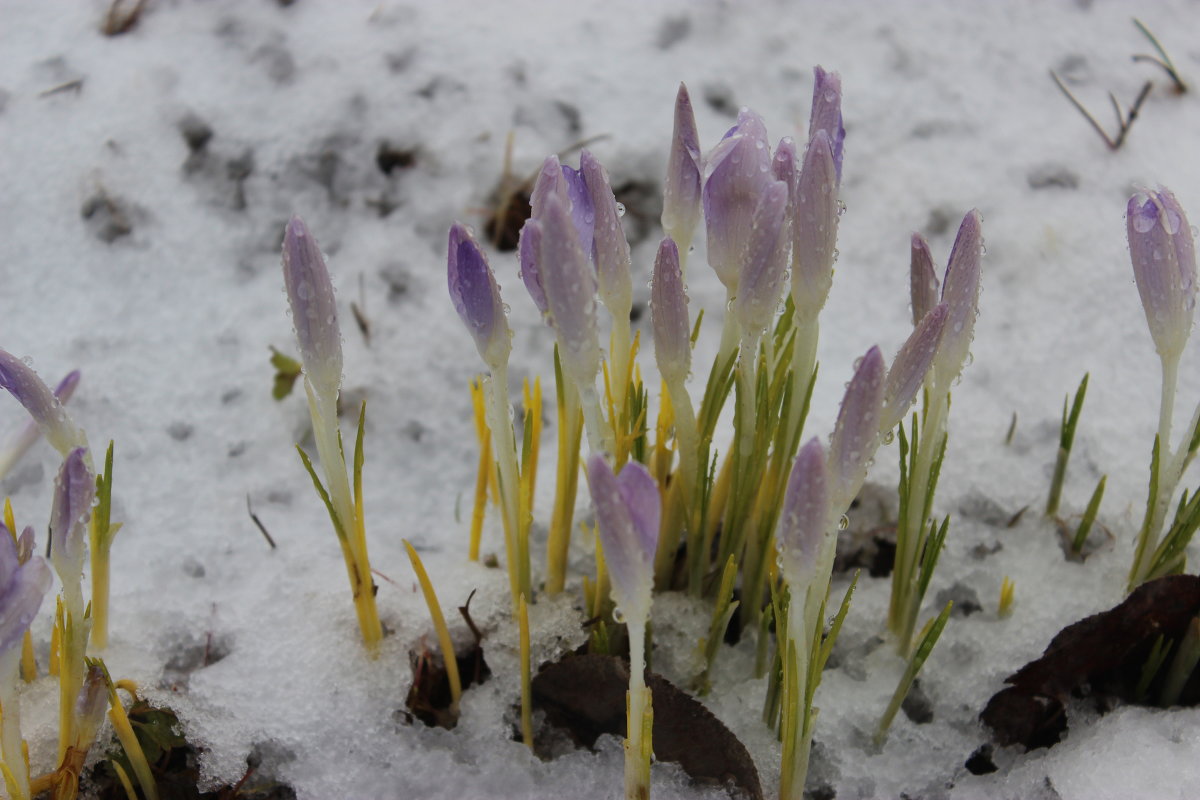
(948, 106)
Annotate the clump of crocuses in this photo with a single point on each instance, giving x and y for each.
(760, 511)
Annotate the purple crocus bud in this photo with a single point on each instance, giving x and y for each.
(827, 113)
(737, 173)
(804, 521)
(314, 309)
(628, 509)
(814, 229)
(43, 405)
(784, 168)
(923, 281)
(960, 291)
(22, 586)
(611, 250)
(90, 705)
(1164, 266)
(477, 297)
(681, 190)
(669, 315)
(766, 261)
(529, 245)
(856, 432)
(74, 489)
(583, 215)
(549, 181)
(570, 286)
(910, 366)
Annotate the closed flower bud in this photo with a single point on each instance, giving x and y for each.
(910, 366)
(766, 261)
(44, 406)
(814, 228)
(610, 248)
(856, 432)
(737, 173)
(477, 297)
(960, 291)
(669, 315)
(74, 489)
(804, 520)
(1164, 266)
(314, 310)
(922, 279)
(570, 286)
(22, 586)
(681, 189)
(827, 113)
(628, 510)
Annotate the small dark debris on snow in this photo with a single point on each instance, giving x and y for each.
(917, 706)
(399, 281)
(107, 216)
(980, 762)
(720, 99)
(122, 17)
(1052, 176)
(1101, 656)
(180, 431)
(196, 132)
(391, 157)
(965, 599)
(673, 30)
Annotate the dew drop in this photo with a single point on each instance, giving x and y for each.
(620, 209)
(618, 616)
(889, 437)
(843, 523)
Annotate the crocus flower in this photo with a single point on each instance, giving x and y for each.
(766, 261)
(814, 227)
(669, 315)
(628, 510)
(74, 489)
(610, 249)
(25, 439)
(960, 291)
(856, 432)
(736, 174)
(529, 244)
(827, 113)
(43, 405)
(570, 287)
(910, 366)
(22, 585)
(314, 310)
(477, 297)
(923, 281)
(681, 189)
(1164, 266)
(804, 520)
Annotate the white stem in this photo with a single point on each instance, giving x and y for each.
(499, 419)
(326, 434)
(636, 769)
(600, 435)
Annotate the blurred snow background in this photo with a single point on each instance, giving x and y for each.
(145, 182)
